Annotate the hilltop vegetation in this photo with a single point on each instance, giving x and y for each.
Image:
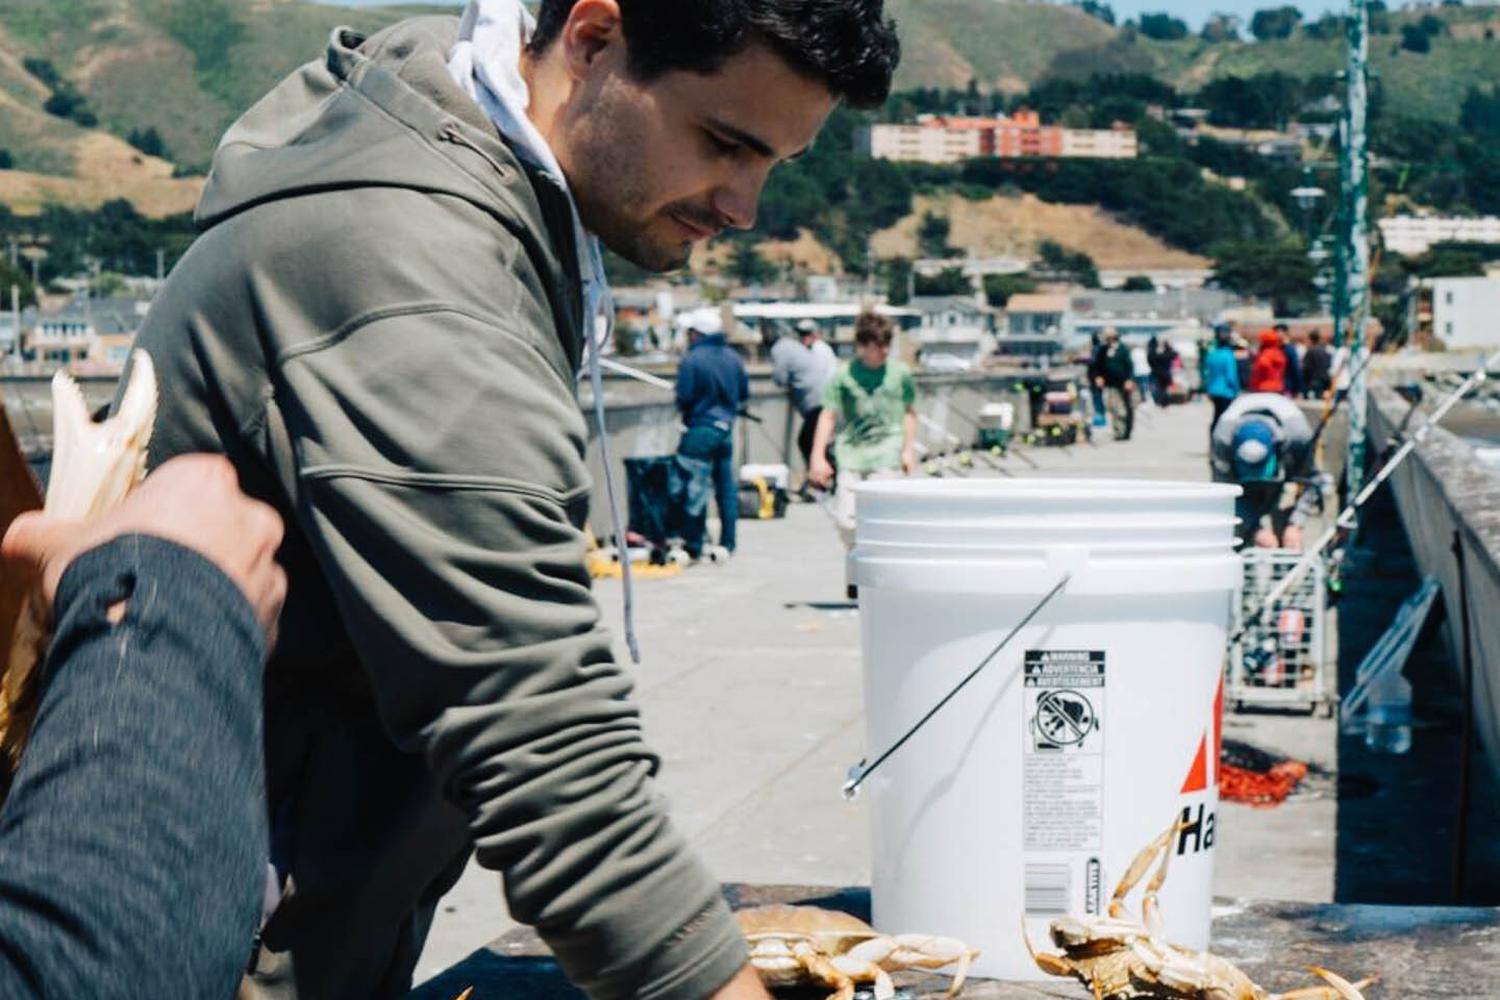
(135, 91)
(187, 68)
(183, 68)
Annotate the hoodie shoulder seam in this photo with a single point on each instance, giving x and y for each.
(423, 308)
(353, 325)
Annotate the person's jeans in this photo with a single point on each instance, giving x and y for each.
(808, 432)
(714, 444)
(1221, 403)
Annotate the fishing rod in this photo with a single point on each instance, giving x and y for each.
(1345, 520)
(952, 438)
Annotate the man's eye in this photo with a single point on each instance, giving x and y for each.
(721, 145)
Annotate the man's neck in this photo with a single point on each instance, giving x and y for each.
(547, 86)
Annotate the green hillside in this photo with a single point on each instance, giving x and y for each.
(947, 43)
(1419, 85)
(186, 68)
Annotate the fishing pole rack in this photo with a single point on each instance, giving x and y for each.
(1281, 659)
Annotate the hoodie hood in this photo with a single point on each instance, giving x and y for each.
(313, 132)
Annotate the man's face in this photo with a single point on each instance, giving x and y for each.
(872, 355)
(658, 166)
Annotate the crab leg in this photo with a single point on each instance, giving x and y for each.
(1150, 911)
(1338, 987)
(922, 951)
(1052, 965)
(1137, 871)
(825, 972)
(859, 969)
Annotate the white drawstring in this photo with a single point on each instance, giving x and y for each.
(485, 62)
(606, 307)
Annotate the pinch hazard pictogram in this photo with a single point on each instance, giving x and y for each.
(1203, 766)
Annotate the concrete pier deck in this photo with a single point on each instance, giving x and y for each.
(751, 692)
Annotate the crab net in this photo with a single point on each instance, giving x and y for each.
(1254, 777)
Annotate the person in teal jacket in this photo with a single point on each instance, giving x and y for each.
(1221, 377)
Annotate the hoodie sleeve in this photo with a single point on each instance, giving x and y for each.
(452, 538)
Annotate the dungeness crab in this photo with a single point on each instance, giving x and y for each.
(806, 946)
(1120, 957)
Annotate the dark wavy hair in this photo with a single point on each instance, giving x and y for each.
(846, 44)
(872, 328)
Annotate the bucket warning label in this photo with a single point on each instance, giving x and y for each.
(1063, 753)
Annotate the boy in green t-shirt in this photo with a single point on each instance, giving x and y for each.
(871, 403)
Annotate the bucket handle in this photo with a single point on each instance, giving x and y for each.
(860, 771)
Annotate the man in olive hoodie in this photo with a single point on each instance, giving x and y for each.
(381, 327)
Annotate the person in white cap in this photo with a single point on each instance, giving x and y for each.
(712, 387)
(803, 364)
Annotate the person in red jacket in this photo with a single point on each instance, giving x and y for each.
(1268, 371)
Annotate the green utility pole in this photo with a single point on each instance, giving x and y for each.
(1354, 275)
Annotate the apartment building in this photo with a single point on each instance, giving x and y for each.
(950, 138)
(1410, 235)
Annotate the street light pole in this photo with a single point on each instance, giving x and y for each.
(1355, 290)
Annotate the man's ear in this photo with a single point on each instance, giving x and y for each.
(593, 26)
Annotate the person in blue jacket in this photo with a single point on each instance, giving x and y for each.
(712, 387)
(1221, 376)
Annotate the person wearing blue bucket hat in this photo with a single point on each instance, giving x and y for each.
(1255, 450)
(1263, 442)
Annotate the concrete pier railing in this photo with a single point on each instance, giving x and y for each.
(643, 421)
(1446, 497)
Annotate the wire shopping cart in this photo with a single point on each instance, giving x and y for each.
(1281, 660)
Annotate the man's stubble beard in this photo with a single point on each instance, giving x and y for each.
(610, 190)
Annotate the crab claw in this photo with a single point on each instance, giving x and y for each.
(1346, 989)
(95, 464)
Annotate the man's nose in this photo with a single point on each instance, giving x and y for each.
(736, 201)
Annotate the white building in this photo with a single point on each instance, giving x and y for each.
(1410, 235)
(956, 326)
(1161, 277)
(1035, 314)
(1465, 311)
(94, 330)
(1100, 144)
(1020, 135)
(921, 143)
(974, 268)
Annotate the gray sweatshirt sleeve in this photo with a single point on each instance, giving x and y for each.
(133, 844)
(439, 474)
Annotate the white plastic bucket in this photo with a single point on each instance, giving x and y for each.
(1029, 794)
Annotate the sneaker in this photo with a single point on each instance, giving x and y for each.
(717, 554)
